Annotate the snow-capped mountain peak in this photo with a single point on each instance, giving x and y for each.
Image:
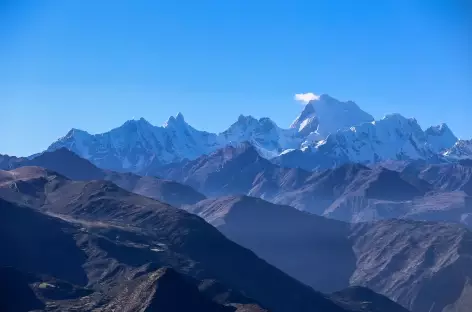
(75, 140)
(137, 143)
(76, 133)
(176, 121)
(462, 149)
(334, 115)
(438, 129)
(325, 115)
(307, 112)
(399, 121)
(392, 137)
(440, 137)
(263, 133)
(246, 119)
(134, 125)
(328, 132)
(179, 116)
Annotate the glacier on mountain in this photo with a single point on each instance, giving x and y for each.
(440, 137)
(327, 133)
(325, 115)
(264, 134)
(392, 137)
(136, 144)
(462, 149)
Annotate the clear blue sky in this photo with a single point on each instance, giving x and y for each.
(95, 64)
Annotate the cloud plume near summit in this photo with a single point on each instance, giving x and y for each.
(306, 97)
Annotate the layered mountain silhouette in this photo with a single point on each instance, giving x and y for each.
(351, 192)
(74, 167)
(408, 261)
(10, 162)
(101, 226)
(375, 214)
(94, 234)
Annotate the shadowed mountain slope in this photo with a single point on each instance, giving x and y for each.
(74, 167)
(114, 234)
(407, 261)
(351, 192)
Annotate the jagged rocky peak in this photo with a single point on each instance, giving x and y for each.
(246, 119)
(174, 121)
(134, 125)
(307, 122)
(401, 125)
(140, 120)
(179, 117)
(266, 120)
(76, 133)
(74, 140)
(438, 129)
(392, 137)
(251, 123)
(399, 119)
(307, 111)
(462, 149)
(440, 137)
(267, 124)
(243, 123)
(335, 130)
(437, 138)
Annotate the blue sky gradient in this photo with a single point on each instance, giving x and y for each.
(95, 64)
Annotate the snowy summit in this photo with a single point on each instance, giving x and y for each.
(327, 132)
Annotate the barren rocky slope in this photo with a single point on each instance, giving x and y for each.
(408, 261)
(98, 236)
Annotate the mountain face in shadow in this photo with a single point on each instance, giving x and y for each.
(106, 236)
(15, 292)
(74, 167)
(407, 261)
(292, 240)
(365, 299)
(327, 255)
(351, 192)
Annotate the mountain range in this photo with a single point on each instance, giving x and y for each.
(415, 190)
(407, 261)
(352, 192)
(74, 167)
(339, 212)
(90, 245)
(326, 254)
(326, 134)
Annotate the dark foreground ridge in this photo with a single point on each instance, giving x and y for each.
(98, 236)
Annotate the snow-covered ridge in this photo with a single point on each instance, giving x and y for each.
(394, 137)
(325, 115)
(462, 149)
(137, 143)
(440, 137)
(327, 130)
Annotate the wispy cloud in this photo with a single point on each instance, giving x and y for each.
(306, 97)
